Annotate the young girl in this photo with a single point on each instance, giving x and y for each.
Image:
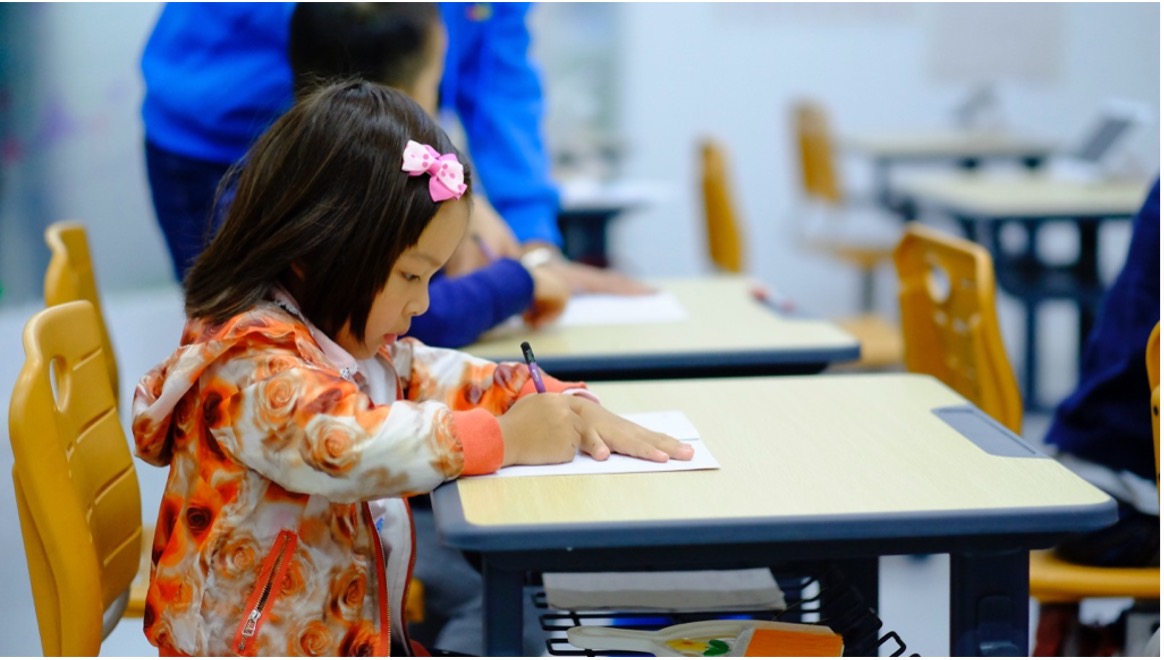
(290, 405)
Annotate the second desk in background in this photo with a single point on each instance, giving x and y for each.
(722, 331)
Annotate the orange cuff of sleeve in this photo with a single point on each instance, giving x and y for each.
(481, 443)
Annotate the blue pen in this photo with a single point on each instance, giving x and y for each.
(534, 372)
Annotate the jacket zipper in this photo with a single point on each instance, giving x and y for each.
(382, 585)
(270, 578)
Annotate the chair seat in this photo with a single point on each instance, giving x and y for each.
(881, 343)
(1056, 580)
(865, 257)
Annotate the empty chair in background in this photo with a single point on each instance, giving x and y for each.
(724, 239)
(863, 235)
(76, 487)
(949, 320)
(879, 337)
(70, 276)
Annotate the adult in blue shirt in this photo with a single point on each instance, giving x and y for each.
(217, 74)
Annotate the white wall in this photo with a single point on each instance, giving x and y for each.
(76, 147)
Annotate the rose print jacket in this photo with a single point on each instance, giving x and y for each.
(265, 541)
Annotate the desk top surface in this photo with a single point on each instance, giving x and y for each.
(724, 323)
(834, 456)
(948, 143)
(1032, 195)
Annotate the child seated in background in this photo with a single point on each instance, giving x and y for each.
(291, 405)
(402, 45)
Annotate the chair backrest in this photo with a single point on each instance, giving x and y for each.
(1152, 357)
(723, 229)
(70, 277)
(949, 320)
(818, 173)
(76, 487)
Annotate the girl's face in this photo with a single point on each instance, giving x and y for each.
(405, 295)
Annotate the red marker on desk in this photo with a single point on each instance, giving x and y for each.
(774, 299)
(534, 372)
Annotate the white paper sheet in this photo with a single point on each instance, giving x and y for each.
(606, 309)
(672, 422)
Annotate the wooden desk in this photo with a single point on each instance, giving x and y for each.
(726, 333)
(966, 148)
(982, 205)
(834, 467)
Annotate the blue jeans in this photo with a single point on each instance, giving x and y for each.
(183, 191)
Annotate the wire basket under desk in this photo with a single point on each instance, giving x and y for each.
(844, 610)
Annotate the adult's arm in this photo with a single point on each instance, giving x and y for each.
(462, 308)
(491, 84)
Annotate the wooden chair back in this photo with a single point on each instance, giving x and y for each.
(70, 276)
(819, 179)
(76, 487)
(724, 243)
(949, 320)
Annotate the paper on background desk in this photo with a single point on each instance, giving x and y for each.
(672, 422)
(608, 309)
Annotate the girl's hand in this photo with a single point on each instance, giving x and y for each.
(551, 293)
(551, 428)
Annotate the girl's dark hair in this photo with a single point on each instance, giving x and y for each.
(322, 193)
(379, 41)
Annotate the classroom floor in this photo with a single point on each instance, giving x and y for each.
(145, 327)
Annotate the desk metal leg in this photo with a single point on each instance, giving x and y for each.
(989, 604)
(503, 609)
(1087, 274)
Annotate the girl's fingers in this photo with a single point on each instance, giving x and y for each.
(674, 448)
(593, 445)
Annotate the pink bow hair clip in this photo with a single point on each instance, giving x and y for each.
(447, 174)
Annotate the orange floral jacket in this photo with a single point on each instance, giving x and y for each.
(266, 543)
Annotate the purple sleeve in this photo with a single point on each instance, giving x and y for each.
(462, 308)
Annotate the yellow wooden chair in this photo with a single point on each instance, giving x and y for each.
(724, 240)
(951, 332)
(880, 339)
(949, 322)
(70, 277)
(76, 488)
(881, 343)
(865, 242)
(1062, 583)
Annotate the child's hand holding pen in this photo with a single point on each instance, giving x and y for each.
(552, 428)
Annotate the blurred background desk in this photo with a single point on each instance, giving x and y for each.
(587, 208)
(983, 205)
(726, 333)
(965, 148)
(816, 469)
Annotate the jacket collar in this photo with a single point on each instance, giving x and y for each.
(339, 358)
